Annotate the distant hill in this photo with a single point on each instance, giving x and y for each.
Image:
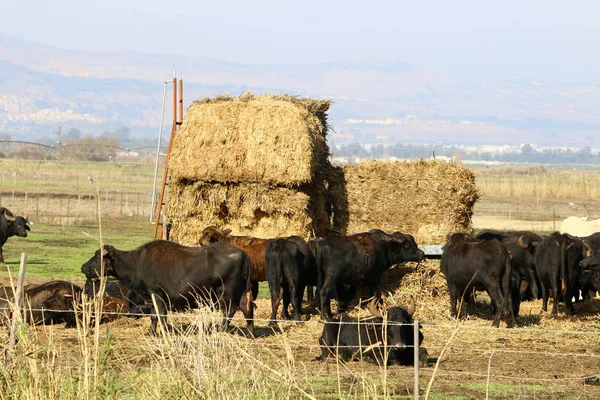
(42, 87)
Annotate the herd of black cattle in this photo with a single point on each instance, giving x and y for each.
(224, 271)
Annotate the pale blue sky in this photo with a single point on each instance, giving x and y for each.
(470, 40)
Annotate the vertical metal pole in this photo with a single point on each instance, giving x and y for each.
(160, 132)
(17, 315)
(416, 356)
(166, 167)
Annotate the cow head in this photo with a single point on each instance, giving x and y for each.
(404, 248)
(591, 263)
(399, 324)
(92, 267)
(212, 234)
(20, 227)
(17, 225)
(60, 300)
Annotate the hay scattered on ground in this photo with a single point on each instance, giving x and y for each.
(252, 209)
(427, 199)
(277, 140)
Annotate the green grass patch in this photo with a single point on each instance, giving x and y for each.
(59, 251)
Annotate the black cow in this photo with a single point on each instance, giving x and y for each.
(471, 264)
(11, 225)
(522, 246)
(180, 275)
(359, 259)
(351, 338)
(33, 303)
(283, 265)
(308, 274)
(557, 263)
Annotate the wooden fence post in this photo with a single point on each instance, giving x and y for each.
(17, 316)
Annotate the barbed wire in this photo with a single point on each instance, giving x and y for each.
(361, 321)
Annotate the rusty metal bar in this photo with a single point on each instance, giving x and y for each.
(166, 167)
(180, 99)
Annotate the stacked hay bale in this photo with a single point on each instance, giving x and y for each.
(252, 164)
(427, 199)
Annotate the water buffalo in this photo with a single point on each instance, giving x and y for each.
(179, 275)
(472, 264)
(11, 225)
(359, 259)
(378, 341)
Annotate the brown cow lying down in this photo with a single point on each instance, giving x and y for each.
(112, 307)
(33, 299)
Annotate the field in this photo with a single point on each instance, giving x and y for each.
(543, 358)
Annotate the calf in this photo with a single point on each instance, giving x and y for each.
(380, 340)
(557, 263)
(470, 264)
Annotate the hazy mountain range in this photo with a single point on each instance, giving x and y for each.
(42, 87)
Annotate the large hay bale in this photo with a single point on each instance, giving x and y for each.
(252, 209)
(273, 139)
(427, 199)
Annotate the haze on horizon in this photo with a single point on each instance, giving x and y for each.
(469, 40)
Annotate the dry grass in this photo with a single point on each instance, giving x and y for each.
(539, 182)
(277, 140)
(426, 199)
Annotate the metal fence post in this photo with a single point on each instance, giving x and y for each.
(416, 356)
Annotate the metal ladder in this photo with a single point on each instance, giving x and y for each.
(156, 209)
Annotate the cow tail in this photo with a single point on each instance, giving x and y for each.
(318, 261)
(506, 285)
(563, 275)
(250, 305)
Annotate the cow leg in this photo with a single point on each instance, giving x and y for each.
(247, 307)
(453, 301)
(310, 299)
(544, 298)
(276, 296)
(295, 299)
(254, 290)
(498, 302)
(555, 302)
(160, 311)
(1, 256)
(286, 302)
(325, 294)
(569, 310)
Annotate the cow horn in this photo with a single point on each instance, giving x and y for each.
(521, 244)
(9, 216)
(104, 251)
(27, 218)
(411, 307)
(587, 250)
(373, 308)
